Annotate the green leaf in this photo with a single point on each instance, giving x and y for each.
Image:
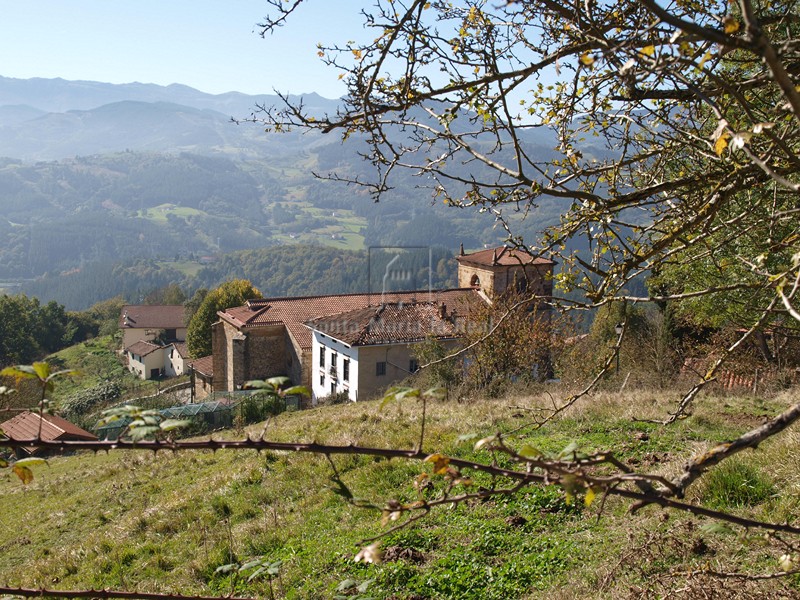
(278, 382)
(3, 463)
(42, 370)
(31, 462)
(437, 393)
(528, 451)
(250, 564)
(170, 424)
(569, 451)
(19, 371)
(297, 390)
(226, 568)
(716, 527)
(346, 585)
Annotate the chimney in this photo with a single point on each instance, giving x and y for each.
(494, 256)
(443, 311)
(461, 251)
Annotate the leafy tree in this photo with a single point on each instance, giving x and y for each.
(231, 293)
(676, 130)
(171, 294)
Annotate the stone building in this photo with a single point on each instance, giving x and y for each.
(269, 337)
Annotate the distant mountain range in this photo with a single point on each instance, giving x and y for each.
(108, 189)
(50, 119)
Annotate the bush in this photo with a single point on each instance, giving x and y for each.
(260, 406)
(736, 484)
(86, 401)
(331, 399)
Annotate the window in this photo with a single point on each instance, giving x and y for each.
(380, 368)
(346, 369)
(333, 361)
(170, 334)
(413, 365)
(322, 357)
(333, 388)
(322, 379)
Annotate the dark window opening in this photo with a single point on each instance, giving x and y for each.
(380, 368)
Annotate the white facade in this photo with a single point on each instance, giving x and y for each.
(336, 371)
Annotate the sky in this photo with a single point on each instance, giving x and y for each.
(214, 47)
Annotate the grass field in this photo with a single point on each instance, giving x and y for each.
(165, 523)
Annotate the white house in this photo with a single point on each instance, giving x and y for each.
(361, 352)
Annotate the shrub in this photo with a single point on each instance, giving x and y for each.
(337, 398)
(260, 406)
(736, 484)
(85, 401)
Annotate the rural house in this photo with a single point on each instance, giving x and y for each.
(153, 339)
(270, 336)
(361, 351)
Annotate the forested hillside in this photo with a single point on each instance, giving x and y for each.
(120, 189)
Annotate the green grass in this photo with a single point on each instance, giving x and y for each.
(165, 523)
(159, 213)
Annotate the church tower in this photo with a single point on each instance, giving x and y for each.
(495, 270)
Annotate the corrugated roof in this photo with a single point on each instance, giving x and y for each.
(295, 312)
(26, 425)
(204, 365)
(143, 348)
(503, 255)
(145, 316)
(387, 324)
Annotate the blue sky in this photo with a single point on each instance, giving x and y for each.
(211, 46)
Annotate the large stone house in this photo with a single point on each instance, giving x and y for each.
(275, 336)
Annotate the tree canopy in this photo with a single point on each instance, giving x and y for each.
(231, 293)
(675, 128)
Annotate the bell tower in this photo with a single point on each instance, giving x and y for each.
(494, 271)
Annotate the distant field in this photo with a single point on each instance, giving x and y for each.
(159, 213)
(187, 267)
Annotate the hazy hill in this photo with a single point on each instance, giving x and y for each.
(61, 95)
(102, 174)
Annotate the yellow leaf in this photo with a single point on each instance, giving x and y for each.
(357, 53)
(721, 143)
(24, 473)
(589, 497)
(730, 25)
(440, 463)
(587, 59)
(649, 50)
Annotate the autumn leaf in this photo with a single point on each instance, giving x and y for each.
(24, 473)
(721, 143)
(440, 463)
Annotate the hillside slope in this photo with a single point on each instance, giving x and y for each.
(131, 520)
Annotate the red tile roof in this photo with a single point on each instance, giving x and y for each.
(387, 324)
(25, 426)
(204, 365)
(144, 316)
(295, 312)
(505, 256)
(143, 348)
